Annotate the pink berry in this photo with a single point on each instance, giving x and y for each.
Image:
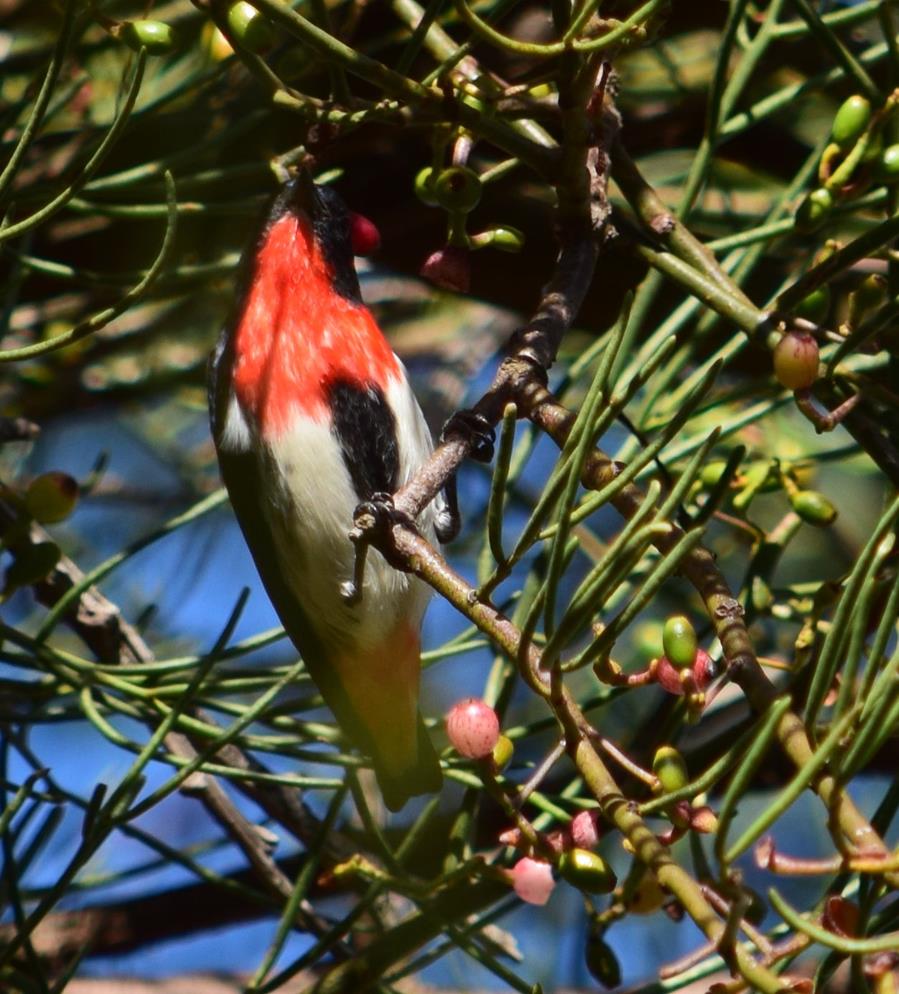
(796, 360)
(532, 880)
(473, 728)
(584, 829)
(449, 268)
(364, 236)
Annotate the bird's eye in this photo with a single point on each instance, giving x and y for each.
(364, 236)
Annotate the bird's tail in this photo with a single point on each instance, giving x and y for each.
(380, 686)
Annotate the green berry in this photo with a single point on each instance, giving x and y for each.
(796, 358)
(814, 210)
(51, 497)
(602, 961)
(679, 641)
(816, 306)
(669, 766)
(888, 167)
(458, 188)
(587, 871)
(711, 472)
(502, 753)
(813, 507)
(156, 37)
(249, 27)
(507, 239)
(424, 186)
(850, 120)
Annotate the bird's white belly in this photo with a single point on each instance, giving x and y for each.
(310, 519)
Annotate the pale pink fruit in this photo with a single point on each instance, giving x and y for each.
(473, 728)
(796, 358)
(532, 880)
(449, 268)
(584, 829)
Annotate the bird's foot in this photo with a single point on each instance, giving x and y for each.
(473, 427)
(372, 521)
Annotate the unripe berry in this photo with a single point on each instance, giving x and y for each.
(532, 880)
(815, 306)
(647, 897)
(51, 497)
(424, 186)
(364, 235)
(679, 641)
(888, 166)
(850, 120)
(473, 728)
(449, 268)
(711, 473)
(249, 27)
(796, 358)
(584, 829)
(814, 210)
(457, 188)
(602, 962)
(587, 871)
(156, 37)
(502, 753)
(703, 819)
(813, 507)
(669, 766)
(505, 239)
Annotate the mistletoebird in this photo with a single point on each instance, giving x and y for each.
(312, 414)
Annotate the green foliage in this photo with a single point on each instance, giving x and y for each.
(694, 463)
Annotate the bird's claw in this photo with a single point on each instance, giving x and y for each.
(476, 429)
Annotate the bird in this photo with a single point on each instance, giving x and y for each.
(312, 415)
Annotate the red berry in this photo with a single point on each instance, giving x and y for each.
(796, 358)
(449, 268)
(532, 880)
(695, 678)
(364, 236)
(473, 728)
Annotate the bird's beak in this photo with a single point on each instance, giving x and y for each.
(303, 194)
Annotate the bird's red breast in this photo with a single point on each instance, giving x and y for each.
(297, 334)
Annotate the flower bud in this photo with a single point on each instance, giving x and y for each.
(669, 766)
(585, 829)
(449, 268)
(679, 641)
(796, 358)
(813, 507)
(850, 120)
(156, 37)
(473, 728)
(51, 497)
(249, 27)
(457, 188)
(587, 871)
(532, 880)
